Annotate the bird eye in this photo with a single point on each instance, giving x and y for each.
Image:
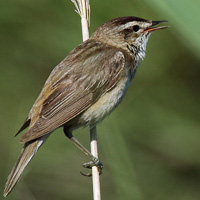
(136, 28)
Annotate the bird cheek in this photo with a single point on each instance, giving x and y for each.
(132, 40)
(127, 36)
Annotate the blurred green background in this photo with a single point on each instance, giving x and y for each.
(149, 146)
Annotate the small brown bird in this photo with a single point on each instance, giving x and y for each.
(86, 86)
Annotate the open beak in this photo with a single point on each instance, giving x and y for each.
(154, 23)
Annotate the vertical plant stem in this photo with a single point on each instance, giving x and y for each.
(83, 9)
(85, 31)
(95, 172)
(84, 22)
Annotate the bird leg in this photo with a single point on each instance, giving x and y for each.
(94, 160)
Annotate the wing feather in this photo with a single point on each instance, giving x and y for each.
(74, 85)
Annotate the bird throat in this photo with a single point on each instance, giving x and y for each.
(139, 47)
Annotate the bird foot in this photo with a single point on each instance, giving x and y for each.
(95, 162)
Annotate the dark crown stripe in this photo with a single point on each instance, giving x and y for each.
(123, 20)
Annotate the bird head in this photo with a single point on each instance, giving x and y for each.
(128, 33)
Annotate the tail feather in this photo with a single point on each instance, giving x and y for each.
(27, 153)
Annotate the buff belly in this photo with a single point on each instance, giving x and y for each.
(105, 105)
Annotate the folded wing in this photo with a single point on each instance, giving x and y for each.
(86, 74)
